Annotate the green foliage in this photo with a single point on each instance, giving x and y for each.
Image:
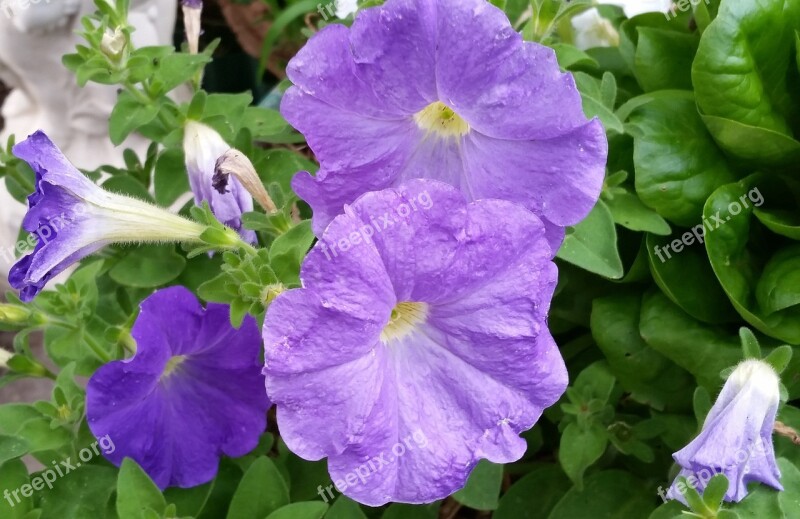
(687, 265)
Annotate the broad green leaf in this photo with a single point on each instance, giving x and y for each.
(570, 56)
(677, 163)
(580, 448)
(779, 285)
(13, 475)
(592, 244)
(611, 494)
(84, 492)
(650, 377)
(263, 122)
(148, 266)
(738, 263)
(127, 185)
(715, 491)
(664, 58)
(702, 350)
(631, 213)
(261, 492)
(345, 508)
(680, 268)
(136, 492)
(483, 487)
(170, 177)
(534, 495)
(188, 501)
(403, 511)
(127, 116)
(783, 222)
(740, 74)
(302, 510)
(12, 448)
(288, 250)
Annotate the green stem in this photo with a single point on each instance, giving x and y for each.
(97, 349)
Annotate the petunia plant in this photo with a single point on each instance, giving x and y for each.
(451, 266)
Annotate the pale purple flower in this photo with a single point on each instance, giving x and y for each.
(203, 147)
(190, 394)
(418, 343)
(71, 217)
(736, 439)
(447, 90)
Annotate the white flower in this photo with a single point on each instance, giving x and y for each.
(592, 30)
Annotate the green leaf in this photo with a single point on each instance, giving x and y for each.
(785, 223)
(261, 492)
(570, 56)
(750, 347)
(780, 358)
(737, 263)
(534, 495)
(170, 178)
(263, 122)
(127, 116)
(648, 375)
(677, 163)
(611, 494)
(702, 350)
(148, 267)
(580, 448)
(631, 213)
(84, 492)
(403, 511)
(779, 285)
(664, 58)
(740, 75)
(288, 250)
(482, 490)
(592, 244)
(680, 268)
(13, 475)
(178, 68)
(715, 492)
(12, 448)
(345, 508)
(136, 492)
(302, 510)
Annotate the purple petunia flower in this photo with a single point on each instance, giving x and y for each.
(418, 343)
(71, 218)
(203, 146)
(736, 439)
(191, 393)
(448, 90)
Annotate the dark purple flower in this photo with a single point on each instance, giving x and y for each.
(202, 147)
(418, 343)
(71, 218)
(190, 394)
(736, 439)
(447, 90)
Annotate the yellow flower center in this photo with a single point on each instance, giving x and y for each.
(441, 119)
(172, 365)
(405, 317)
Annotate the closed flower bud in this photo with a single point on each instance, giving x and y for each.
(10, 314)
(113, 43)
(736, 439)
